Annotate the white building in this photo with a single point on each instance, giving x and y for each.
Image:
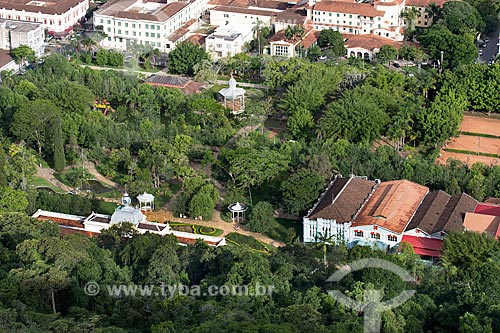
(16, 33)
(227, 41)
(333, 214)
(57, 16)
(381, 17)
(149, 23)
(94, 223)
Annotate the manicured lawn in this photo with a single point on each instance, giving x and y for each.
(280, 228)
(196, 229)
(42, 182)
(248, 242)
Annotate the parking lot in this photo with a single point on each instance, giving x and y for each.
(487, 54)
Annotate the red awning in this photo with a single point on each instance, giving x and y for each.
(424, 246)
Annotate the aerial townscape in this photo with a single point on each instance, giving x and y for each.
(236, 165)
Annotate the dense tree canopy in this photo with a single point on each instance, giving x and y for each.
(183, 58)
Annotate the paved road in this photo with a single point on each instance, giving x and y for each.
(491, 48)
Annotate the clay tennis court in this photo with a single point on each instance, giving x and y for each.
(474, 144)
(480, 125)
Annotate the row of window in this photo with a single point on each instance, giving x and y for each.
(344, 22)
(146, 34)
(281, 51)
(133, 25)
(120, 40)
(375, 235)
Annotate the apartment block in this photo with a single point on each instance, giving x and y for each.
(149, 23)
(57, 16)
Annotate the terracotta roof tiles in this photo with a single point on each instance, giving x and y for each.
(51, 6)
(363, 9)
(392, 205)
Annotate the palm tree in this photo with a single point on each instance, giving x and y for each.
(325, 240)
(256, 30)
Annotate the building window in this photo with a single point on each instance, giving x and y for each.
(375, 235)
(358, 233)
(350, 16)
(119, 31)
(338, 15)
(226, 15)
(133, 25)
(147, 34)
(126, 25)
(392, 238)
(330, 14)
(119, 24)
(281, 51)
(146, 26)
(157, 27)
(109, 22)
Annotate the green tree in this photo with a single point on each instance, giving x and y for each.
(460, 17)
(32, 121)
(12, 200)
(253, 167)
(59, 157)
(387, 53)
(347, 117)
(183, 58)
(201, 205)
(441, 119)
(332, 40)
(101, 57)
(300, 123)
(22, 54)
(115, 59)
(301, 190)
(262, 217)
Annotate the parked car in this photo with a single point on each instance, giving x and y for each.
(483, 45)
(480, 52)
(486, 40)
(397, 65)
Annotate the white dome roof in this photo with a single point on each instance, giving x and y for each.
(237, 207)
(145, 197)
(232, 92)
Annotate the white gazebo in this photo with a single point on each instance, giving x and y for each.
(238, 210)
(146, 202)
(233, 97)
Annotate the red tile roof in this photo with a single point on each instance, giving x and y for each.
(369, 42)
(197, 39)
(363, 9)
(424, 246)
(487, 209)
(392, 205)
(481, 223)
(51, 6)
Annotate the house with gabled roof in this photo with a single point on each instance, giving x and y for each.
(384, 217)
(335, 210)
(441, 214)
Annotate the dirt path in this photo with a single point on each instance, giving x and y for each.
(48, 174)
(90, 166)
(164, 215)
